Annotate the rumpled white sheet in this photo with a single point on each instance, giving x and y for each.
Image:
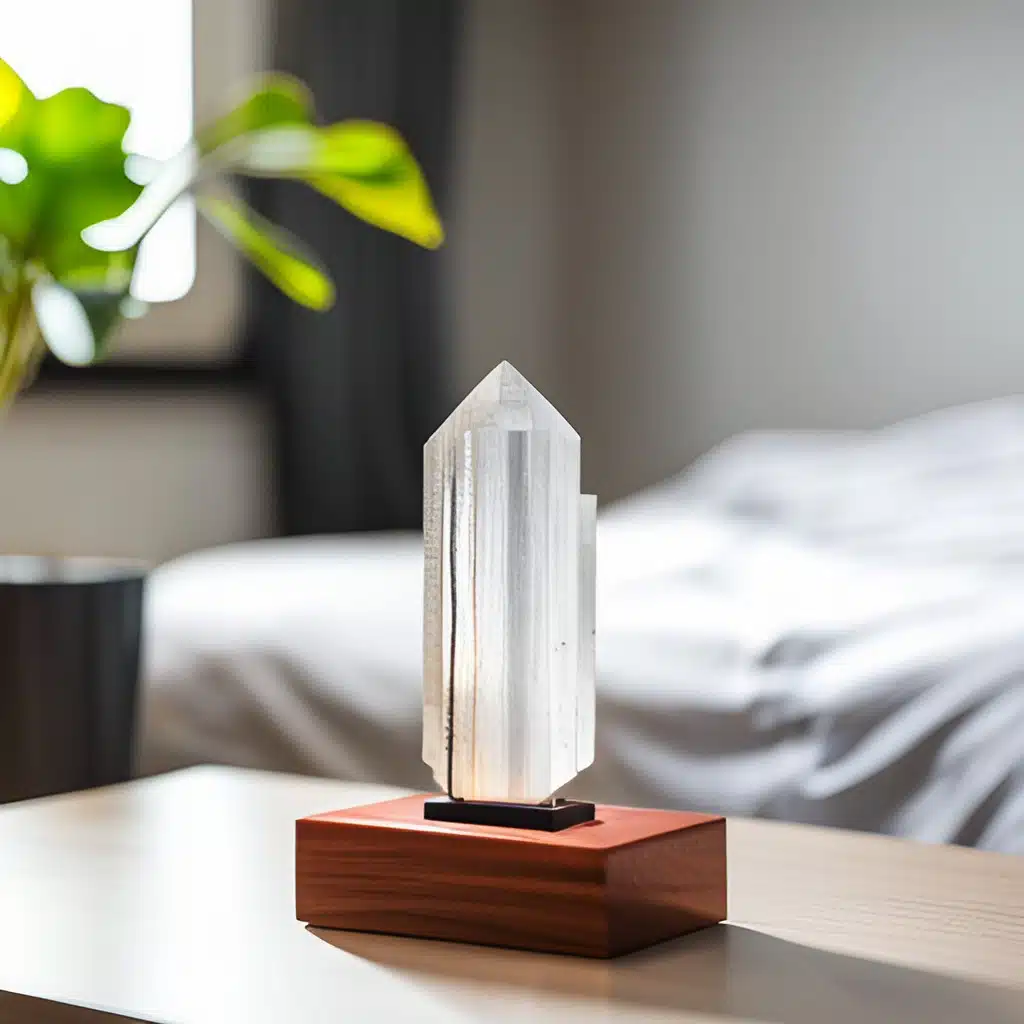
(817, 627)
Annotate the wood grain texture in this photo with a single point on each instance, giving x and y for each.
(622, 882)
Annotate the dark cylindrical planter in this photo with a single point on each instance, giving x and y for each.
(69, 668)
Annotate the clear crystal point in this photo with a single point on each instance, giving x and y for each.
(508, 636)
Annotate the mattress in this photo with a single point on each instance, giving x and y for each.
(818, 627)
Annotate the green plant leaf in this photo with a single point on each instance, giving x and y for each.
(361, 150)
(285, 260)
(16, 103)
(275, 99)
(59, 243)
(72, 144)
(20, 207)
(14, 96)
(369, 170)
(403, 206)
(76, 147)
(20, 202)
(73, 126)
(363, 166)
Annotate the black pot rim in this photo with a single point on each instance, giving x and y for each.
(73, 570)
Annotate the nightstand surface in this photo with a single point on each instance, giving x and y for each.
(172, 899)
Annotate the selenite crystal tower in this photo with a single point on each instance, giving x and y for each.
(508, 634)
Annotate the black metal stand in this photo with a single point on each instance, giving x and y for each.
(551, 817)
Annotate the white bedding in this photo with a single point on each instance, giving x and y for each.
(818, 627)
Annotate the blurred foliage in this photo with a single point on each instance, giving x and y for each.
(72, 219)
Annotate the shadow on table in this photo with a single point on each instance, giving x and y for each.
(727, 971)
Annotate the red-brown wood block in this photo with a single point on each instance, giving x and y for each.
(624, 881)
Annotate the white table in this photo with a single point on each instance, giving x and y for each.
(170, 900)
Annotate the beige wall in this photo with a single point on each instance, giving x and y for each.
(505, 232)
(784, 213)
(145, 477)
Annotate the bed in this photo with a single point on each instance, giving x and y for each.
(818, 627)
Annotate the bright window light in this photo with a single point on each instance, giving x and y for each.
(137, 53)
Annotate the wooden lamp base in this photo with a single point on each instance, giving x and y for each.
(624, 881)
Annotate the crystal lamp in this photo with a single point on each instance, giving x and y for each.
(508, 580)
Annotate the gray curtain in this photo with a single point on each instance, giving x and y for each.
(356, 391)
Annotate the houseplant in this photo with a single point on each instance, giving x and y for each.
(74, 208)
